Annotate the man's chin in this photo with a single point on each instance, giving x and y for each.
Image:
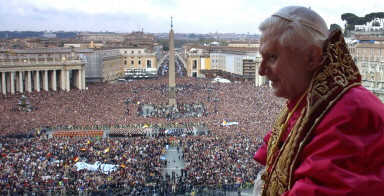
(277, 93)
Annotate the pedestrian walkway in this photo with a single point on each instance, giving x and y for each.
(175, 162)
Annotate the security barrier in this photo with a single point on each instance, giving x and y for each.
(203, 190)
(79, 133)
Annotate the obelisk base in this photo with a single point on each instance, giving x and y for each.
(172, 102)
(172, 96)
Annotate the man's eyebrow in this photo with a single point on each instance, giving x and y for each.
(264, 48)
(266, 52)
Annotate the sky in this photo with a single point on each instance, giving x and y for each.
(153, 16)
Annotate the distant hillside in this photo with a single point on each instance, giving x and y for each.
(34, 34)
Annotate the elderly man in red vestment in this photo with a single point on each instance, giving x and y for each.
(329, 139)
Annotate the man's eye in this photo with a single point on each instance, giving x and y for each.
(272, 57)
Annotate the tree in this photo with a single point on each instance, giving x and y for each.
(361, 21)
(374, 15)
(344, 17)
(352, 20)
(347, 17)
(333, 27)
(377, 16)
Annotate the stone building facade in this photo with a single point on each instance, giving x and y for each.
(239, 63)
(138, 57)
(369, 57)
(41, 72)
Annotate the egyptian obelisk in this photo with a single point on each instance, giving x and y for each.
(171, 68)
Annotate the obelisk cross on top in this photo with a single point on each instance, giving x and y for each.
(171, 66)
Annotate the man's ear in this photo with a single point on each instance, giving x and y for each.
(314, 54)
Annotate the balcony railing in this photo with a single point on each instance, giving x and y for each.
(39, 60)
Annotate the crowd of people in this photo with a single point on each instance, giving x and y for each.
(48, 164)
(220, 159)
(224, 156)
(156, 132)
(170, 112)
(103, 105)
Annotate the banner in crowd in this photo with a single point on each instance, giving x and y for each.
(225, 123)
(97, 166)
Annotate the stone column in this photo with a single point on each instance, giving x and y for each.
(45, 80)
(171, 70)
(64, 80)
(3, 85)
(53, 80)
(67, 81)
(28, 82)
(36, 81)
(79, 81)
(21, 86)
(61, 79)
(83, 76)
(12, 78)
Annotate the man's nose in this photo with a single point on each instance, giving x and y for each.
(263, 69)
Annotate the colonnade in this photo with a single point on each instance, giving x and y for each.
(23, 76)
(28, 81)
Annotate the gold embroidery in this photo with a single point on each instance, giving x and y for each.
(280, 128)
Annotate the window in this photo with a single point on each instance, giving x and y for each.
(194, 64)
(132, 51)
(139, 62)
(125, 62)
(132, 62)
(149, 64)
